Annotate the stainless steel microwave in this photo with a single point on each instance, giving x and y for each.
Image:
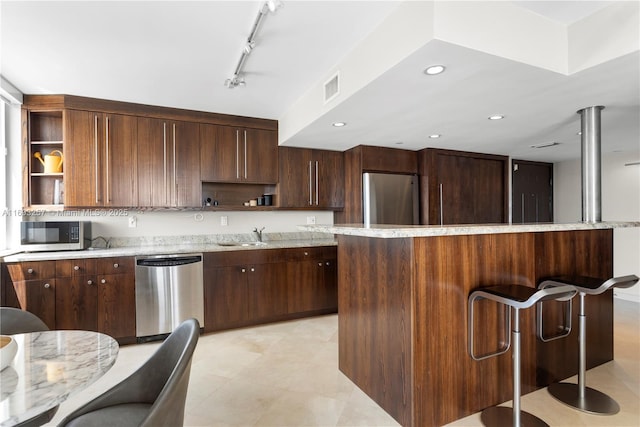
(55, 235)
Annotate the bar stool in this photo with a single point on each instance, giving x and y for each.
(578, 395)
(516, 297)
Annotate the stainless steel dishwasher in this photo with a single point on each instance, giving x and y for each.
(169, 290)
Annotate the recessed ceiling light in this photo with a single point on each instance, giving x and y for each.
(339, 124)
(434, 69)
(435, 135)
(496, 117)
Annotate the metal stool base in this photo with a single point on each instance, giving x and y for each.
(594, 402)
(501, 416)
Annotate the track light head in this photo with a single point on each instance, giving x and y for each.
(274, 5)
(234, 82)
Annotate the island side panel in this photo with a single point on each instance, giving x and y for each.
(584, 253)
(449, 384)
(374, 320)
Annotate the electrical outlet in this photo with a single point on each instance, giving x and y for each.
(311, 220)
(224, 220)
(133, 222)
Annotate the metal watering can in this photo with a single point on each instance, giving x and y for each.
(51, 163)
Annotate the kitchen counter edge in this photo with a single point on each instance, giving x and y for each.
(403, 231)
(162, 250)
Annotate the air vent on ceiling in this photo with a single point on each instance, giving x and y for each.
(332, 88)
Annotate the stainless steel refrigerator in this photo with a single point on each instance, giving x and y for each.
(390, 199)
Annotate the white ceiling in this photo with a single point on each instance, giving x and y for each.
(179, 54)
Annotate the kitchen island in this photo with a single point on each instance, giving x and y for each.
(402, 298)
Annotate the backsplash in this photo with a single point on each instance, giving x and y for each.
(179, 224)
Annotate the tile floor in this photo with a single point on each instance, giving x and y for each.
(286, 374)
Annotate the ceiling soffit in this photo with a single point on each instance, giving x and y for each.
(499, 29)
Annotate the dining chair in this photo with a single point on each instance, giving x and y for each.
(15, 321)
(154, 395)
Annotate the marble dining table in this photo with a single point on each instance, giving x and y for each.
(49, 367)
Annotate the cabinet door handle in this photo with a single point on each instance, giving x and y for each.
(103, 281)
(106, 150)
(30, 270)
(164, 148)
(89, 282)
(116, 265)
(306, 253)
(245, 154)
(316, 183)
(237, 154)
(327, 263)
(95, 154)
(47, 285)
(76, 267)
(441, 209)
(310, 185)
(175, 174)
(319, 264)
(244, 270)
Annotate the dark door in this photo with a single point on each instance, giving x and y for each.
(532, 192)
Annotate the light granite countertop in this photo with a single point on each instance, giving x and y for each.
(402, 231)
(49, 367)
(169, 245)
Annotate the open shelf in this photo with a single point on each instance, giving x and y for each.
(45, 130)
(233, 196)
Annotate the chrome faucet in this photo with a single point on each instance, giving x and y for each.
(258, 233)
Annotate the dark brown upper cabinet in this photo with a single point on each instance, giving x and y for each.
(463, 188)
(238, 155)
(311, 179)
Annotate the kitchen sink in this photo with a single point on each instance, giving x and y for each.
(241, 244)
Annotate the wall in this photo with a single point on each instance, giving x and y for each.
(13, 174)
(620, 201)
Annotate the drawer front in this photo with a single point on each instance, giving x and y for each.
(75, 267)
(315, 252)
(115, 265)
(31, 270)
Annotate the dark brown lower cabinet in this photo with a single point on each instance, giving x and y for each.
(39, 298)
(79, 295)
(278, 284)
(246, 293)
(267, 291)
(116, 313)
(313, 285)
(226, 298)
(76, 303)
(104, 303)
(241, 288)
